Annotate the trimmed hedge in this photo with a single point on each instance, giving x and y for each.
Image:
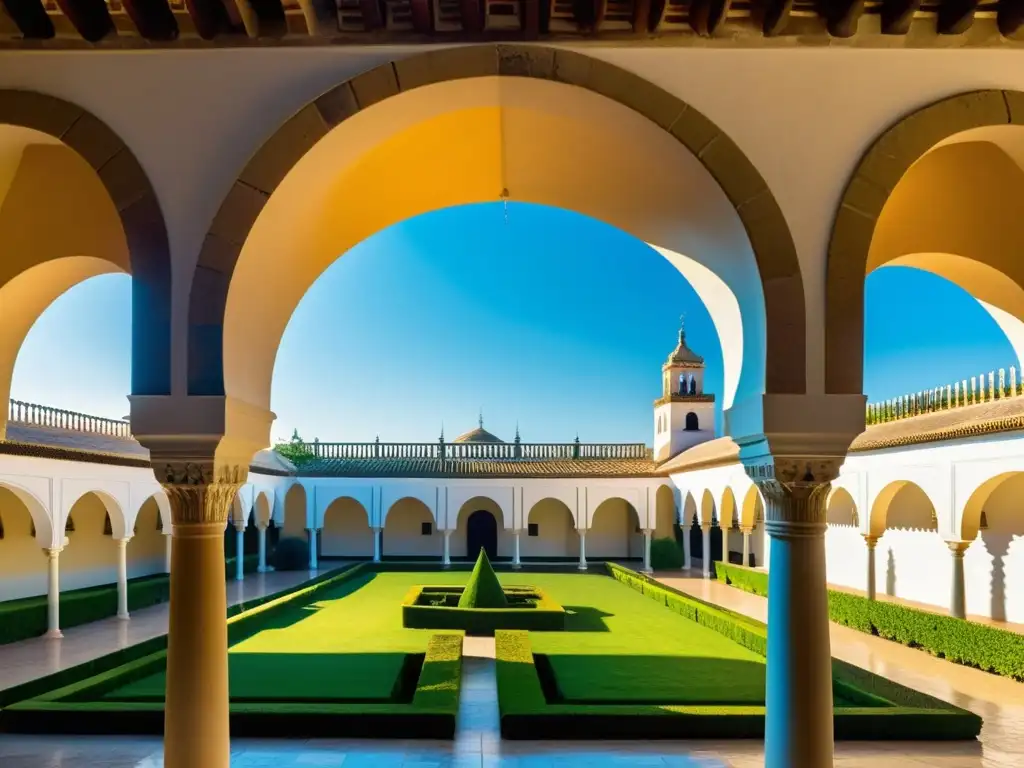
(964, 642)
(73, 707)
(545, 616)
(291, 554)
(26, 617)
(666, 555)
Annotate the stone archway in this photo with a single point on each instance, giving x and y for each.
(138, 208)
(870, 188)
(752, 202)
(481, 534)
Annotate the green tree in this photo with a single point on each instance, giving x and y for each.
(296, 450)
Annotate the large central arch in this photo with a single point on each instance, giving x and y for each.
(458, 126)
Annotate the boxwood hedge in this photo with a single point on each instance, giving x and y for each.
(546, 615)
(974, 645)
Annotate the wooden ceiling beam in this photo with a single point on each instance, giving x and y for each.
(153, 19)
(706, 16)
(90, 18)
(842, 16)
(955, 16)
(209, 16)
(31, 18)
(1010, 17)
(897, 15)
(472, 15)
(775, 16)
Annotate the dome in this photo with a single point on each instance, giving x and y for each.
(478, 435)
(682, 354)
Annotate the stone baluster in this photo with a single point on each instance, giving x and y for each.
(1013, 381)
(1001, 392)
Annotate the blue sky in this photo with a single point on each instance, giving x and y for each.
(553, 320)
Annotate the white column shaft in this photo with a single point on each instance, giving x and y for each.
(122, 578)
(263, 549)
(376, 545)
(583, 550)
(647, 552)
(746, 546)
(53, 594)
(705, 560)
(687, 557)
(446, 559)
(958, 601)
(872, 578)
(168, 541)
(515, 552)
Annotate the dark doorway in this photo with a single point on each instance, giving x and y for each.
(692, 425)
(481, 533)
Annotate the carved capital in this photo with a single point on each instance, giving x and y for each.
(870, 540)
(795, 490)
(958, 547)
(200, 491)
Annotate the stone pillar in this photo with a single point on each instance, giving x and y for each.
(647, 552)
(312, 549)
(871, 541)
(239, 553)
(746, 545)
(53, 593)
(122, 578)
(687, 558)
(168, 538)
(196, 710)
(446, 558)
(798, 692)
(583, 549)
(262, 529)
(957, 599)
(705, 560)
(516, 562)
(376, 545)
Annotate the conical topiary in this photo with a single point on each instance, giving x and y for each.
(483, 589)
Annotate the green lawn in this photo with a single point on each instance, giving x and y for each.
(618, 647)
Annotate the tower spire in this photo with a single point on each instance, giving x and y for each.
(480, 418)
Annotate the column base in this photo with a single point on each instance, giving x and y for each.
(581, 567)
(648, 570)
(446, 566)
(517, 566)
(263, 569)
(54, 634)
(124, 616)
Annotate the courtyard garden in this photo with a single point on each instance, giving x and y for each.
(343, 656)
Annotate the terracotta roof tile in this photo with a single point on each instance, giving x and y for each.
(478, 468)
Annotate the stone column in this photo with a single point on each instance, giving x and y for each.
(647, 552)
(746, 545)
(798, 692)
(705, 560)
(196, 711)
(262, 529)
(871, 541)
(240, 553)
(583, 549)
(516, 562)
(957, 599)
(122, 578)
(168, 538)
(53, 593)
(376, 544)
(446, 558)
(687, 558)
(312, 549)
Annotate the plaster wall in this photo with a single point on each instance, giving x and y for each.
(556, 532)
(612, 532)
(22, 561)
(147, 549)
(403, 531)
(346, 530)
(90, 558)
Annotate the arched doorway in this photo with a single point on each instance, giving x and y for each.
(481, 533)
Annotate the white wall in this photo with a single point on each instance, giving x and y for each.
(556, 533)
(403, 531)
(346, 531)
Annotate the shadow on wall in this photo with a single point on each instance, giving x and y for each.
(890, 574)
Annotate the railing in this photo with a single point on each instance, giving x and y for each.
(507, 451)
(35, 415)
(978, 389)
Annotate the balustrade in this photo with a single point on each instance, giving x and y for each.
(33, 414)
(480, 451)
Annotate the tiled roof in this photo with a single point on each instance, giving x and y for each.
(1004, 415)
(495, 468)
(710, 454)
(45, 442)
(477, 435)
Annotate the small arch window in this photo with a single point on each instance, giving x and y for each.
(692, 423)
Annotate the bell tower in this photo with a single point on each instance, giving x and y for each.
(684, 415)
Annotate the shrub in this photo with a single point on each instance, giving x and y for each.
(666, 555)
(964, 642)
(483, 590)
(441, 676)
(544, 615)
(292, 554)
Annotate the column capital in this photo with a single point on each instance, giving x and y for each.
(52, 552)
(795, 490)
(124, 541)
(957, 548)
(746, 529)
(870, 539)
